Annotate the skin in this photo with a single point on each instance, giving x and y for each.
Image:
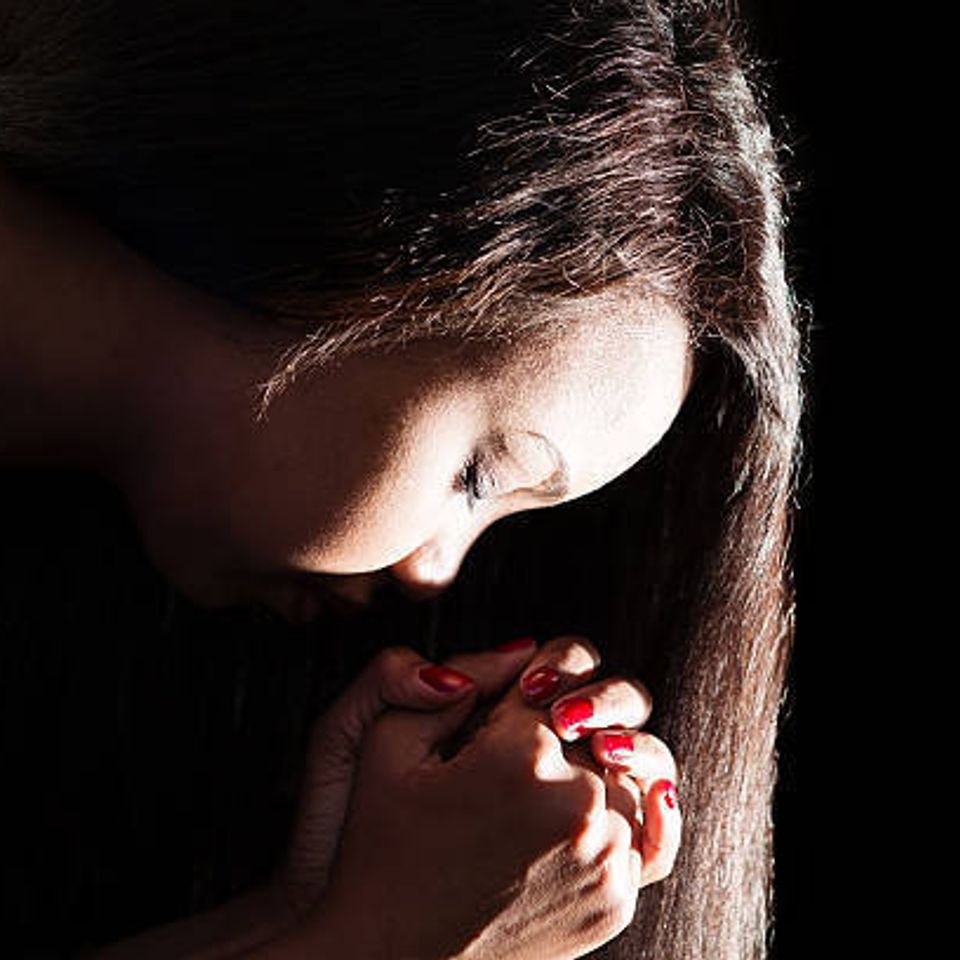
(352, 478)
(358, 476)
(235, 510)
(582, 844)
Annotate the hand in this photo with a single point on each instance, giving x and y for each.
(396, 678)
(253, 925)
(607, 712)
(507, 849)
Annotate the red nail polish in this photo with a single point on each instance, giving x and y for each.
(618, 746)
(522, 643)
(445, 679)
(573, 714)
(540, 684)
(670, 797)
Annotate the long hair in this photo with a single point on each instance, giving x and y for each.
(391, 171)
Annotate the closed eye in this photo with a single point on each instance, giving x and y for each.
(498, 467)
(475, 481)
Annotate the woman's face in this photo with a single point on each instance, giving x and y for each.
(391, 464)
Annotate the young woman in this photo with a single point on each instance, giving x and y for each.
(326, 295)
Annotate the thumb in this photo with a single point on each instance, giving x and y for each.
(405, 740)
(396, 677)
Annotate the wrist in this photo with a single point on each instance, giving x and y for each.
(231, 930)
(324, 932)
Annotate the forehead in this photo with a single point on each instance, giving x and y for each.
(603, 378)
(594, 337)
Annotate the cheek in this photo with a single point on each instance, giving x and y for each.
(375, 530)
(371, 537)
(382, 500)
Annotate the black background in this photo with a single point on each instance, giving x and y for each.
(795, 48)
(850, 101)
(829, 77)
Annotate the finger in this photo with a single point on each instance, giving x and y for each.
(624, 802)
(643, 756)
(614, 702)
(662, 828)
(396, 677)
(400, 677)
(411, 739)
(492, 670)
(560, 664)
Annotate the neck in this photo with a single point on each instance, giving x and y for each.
(95, 343)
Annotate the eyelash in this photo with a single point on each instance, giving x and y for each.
(472, 482)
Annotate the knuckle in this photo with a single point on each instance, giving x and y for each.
(526, 756)
(626, 698)
(622, 836)
(640, 690)
(660, 866)
(500, 716)
(390, 660)
(543, 751)
(620, 913)
(541, 759)
(572, 653)
(658, 751)
(616, 890)
(588, 795)
(655, 872)
(615, 904)
(629, 686)
(585, 804)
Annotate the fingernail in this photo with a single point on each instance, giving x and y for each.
(573, 714)
(540, 684)
(618, 746)
(521, 643)
(445, 679)
(670, 797)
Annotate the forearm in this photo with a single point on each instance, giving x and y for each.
(326, 933)
(236, 929)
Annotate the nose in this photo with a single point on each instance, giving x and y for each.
(430, 568)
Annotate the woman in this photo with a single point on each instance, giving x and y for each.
(424, 268)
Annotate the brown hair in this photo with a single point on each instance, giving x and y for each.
(399, 170)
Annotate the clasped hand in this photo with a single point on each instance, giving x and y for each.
(530, 835)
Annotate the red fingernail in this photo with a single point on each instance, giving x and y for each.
(573, 714)
(445, 679)
(522, 643)
(540, 684)
(618, 746)
(670, 797)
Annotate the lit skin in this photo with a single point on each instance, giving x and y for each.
(579, 850)
(355, 470)
(367, 470)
